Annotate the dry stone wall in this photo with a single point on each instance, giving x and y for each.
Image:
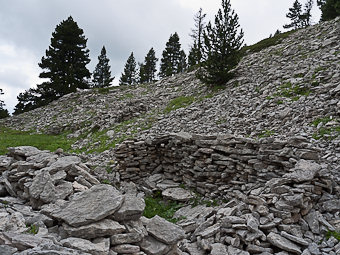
(213, 165)
(280, 197)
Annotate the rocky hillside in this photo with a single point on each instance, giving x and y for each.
(253, 166)
(291, 88)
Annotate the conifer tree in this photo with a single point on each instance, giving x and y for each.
(171, 57)
(182, 64)
(222, 42)
(3, 112)
(294, 15)
(147, 70)
(129, 76)
(102, 74)
(307, 15)
(330, 9)
(64, 66)
(299, 18)
(195, 53)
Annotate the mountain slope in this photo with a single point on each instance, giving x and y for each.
(288, 89)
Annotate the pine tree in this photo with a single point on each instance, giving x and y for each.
(330, 9)
(195, 53)
(27, 101)
(65, 62)
(147, 70)
(222, 43)
(171, 57)
(307, 15)
(3, 112)
(64, 65)
(102, 74)
(294, 15)
(129, 77)
(182, 63)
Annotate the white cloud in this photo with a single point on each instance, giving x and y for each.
(18, 71)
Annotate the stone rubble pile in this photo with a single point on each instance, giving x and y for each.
(50, 204)
(281, 196)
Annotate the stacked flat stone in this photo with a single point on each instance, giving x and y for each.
(51, 204)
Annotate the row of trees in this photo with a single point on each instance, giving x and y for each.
(301, 17)
(215, 52)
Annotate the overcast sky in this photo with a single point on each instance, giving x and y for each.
(122, 26)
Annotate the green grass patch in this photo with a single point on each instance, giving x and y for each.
(324, 120)
(265, 43)
(293, 92)
(179, 102)
(266, 133)
(329, 132)
(156, 205)
(126, 96)
(335, 234)
(14, 138)
(103, 91)
(32, 229)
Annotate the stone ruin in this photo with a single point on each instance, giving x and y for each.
(274, 197)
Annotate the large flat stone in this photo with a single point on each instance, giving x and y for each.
(164, 231)
(101, 228)
(89, 206)
(283, 243)
(86, 246)
(177, 194)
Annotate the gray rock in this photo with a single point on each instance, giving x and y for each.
(126, 249)
(218, 249)
(295, 239)
(25, 151)
(86, 246)
(63, 164)
(177, 194)
(7, 250)
(131, 209)
(152, 246)
(101, 228)
(304, 170)
(283, 243)
(127, 238)
(164, 231)
(25, 241)
(42, 188)
(89, 206)
(313, 222)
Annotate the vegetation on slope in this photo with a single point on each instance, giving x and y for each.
(12, 138)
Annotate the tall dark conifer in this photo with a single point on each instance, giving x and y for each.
(222, 42)
(129, 76)
(3, 112)
(171, 57)
(147, 70)
(102, 74)
(330, 9)
(64, 66)
(65, 62)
